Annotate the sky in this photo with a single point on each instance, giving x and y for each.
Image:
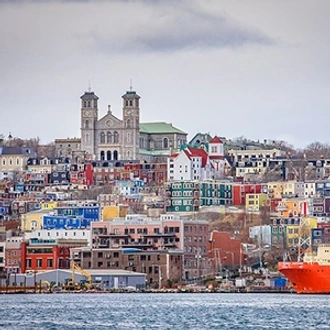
(232, 68)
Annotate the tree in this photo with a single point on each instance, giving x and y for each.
(317, 150)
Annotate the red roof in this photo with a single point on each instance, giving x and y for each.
(197, 152)
(215, 140)
(216, 157)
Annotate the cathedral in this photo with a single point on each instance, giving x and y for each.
(110, 138)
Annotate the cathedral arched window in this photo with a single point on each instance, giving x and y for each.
(115, 155)
(137, 103)
(128, 123)
(130, 103)
(95, 103)
(165, 143)
(128, 137)
(85, 104)
(89, 104)
(109, 137)
(126, 103)
(115, 137)
(86, 123)
(102, 137)
(128, 155)
(86, 137)
(102, 155)
(108, 155)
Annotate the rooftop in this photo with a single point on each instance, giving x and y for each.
(159, 128)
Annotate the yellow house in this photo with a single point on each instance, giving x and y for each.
(32, 220)
(303, 231)
(254, 202)
(111, 212)
(48, 205)
(275, 189)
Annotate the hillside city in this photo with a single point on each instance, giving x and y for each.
(134, 204)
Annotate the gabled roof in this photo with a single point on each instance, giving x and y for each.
(215, 140)
(23, 151)
(159, 128)
(197, 152)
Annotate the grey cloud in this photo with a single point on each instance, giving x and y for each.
(176, 28)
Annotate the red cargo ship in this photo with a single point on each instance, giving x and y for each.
(312, 275)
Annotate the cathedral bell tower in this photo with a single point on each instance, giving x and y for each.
(89, 117)
(131, 122)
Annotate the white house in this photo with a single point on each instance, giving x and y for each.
(189, 164)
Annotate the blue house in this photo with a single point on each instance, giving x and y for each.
(74, 217)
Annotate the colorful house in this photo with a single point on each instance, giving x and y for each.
(254, 202)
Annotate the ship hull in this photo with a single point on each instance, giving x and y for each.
(306, 277)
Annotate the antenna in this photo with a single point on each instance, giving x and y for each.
(130, 85)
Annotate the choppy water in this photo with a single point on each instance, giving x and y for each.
(164, 311)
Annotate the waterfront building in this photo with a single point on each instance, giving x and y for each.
(162, 267)
(46, 254)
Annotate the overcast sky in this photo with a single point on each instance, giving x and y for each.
(258, 69)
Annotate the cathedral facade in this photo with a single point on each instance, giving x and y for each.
(110, 138)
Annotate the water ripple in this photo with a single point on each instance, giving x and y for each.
(164, 311)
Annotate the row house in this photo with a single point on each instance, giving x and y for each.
(292, 232)
(239, 192)
(322, 188)
(183, 196)
(292, 207)
(321, 234)
(72, 217)
(128, 187)
(35, 181)
(13, 254)
(47, 254)
(148, 172)
(189, 196)
(215, 193)
(42, 164)
(255, 202)
(162, 267)
(82, 174)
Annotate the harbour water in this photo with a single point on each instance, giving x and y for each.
(164, 311)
